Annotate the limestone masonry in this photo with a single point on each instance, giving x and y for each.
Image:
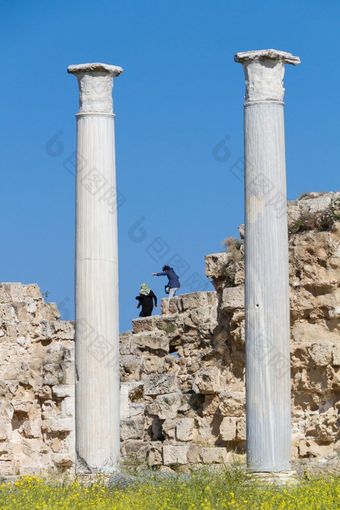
(182, 374)
(36, 383)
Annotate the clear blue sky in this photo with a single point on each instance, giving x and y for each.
(180, 95)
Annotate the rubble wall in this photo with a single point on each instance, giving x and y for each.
(182, 373)
(36, 384)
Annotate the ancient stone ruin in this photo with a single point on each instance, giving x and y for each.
(267, 321)
(182, 373)
(36, 383)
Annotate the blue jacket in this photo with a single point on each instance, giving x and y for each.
(172, 277)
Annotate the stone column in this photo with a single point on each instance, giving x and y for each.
(97, 332)
(266, 263)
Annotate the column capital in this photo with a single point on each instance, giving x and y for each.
(95, 86)
(264, 72)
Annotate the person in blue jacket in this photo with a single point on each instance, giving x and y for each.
(173, 278)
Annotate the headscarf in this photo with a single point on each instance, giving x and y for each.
(144, 289)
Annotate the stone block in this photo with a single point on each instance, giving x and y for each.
(321, 354)
(31, 305)
(21, 312)
(56, 445)
(45, 330)
(215, 264)
(169, 428)
(203, 431)
(131, 447)
(207, 381)
(194, 454)
(142, 452)
(323, 425)
(15, 291)
(203, 318)
(151, 364)
(171, 307)
(63, 390)
(146, 341)
(154, 454)
(32, 290)
(67, 406)
(28, 447)
(7, 313)
(165, 406)
(21, 405)
(232, 403)
(308, 332)
(136, 391)
(228, 428)
(194, 300)
(167, 325)
(45, 392)
(130, 365)
(32, 428)
(143, 324)
(63, 460)
(64, 330)
(52, 374)
(184, 429)
(174, 454)
(132, 428)
(156, 384)
(207, 455)
(47, 311)
(232, 298)
(309, 448)
(214, 455)
(314, 202)
(136, 410)
(61, 424)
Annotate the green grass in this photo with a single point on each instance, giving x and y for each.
(203, 490)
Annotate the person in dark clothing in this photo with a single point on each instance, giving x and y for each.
(146, 300)
(173, 278)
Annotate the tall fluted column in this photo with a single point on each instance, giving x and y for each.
(266, 263)
(97, 332)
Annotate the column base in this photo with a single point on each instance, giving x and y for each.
(279, 478)
(117, 480)
(106, 469)
(89, 479)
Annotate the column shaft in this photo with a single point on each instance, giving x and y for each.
(97, 330)
(97, 354)
(266, 263)
(266, 291)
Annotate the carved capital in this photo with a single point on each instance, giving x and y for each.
(264, 73)
(95, 86)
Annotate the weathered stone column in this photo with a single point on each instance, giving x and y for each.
(266, 263)
(97, 332)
